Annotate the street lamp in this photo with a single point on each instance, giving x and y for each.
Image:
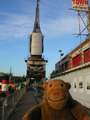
(61, 54)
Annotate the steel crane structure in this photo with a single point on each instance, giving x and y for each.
(36, 65)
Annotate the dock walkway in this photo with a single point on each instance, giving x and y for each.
(27, 102)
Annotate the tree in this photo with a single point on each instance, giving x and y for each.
(52, 74)
(24, 78)
(9, 74)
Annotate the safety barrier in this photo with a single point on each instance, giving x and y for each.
(9, 103)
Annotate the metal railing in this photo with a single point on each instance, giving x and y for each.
(9, 103)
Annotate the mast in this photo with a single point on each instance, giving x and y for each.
(36, 23)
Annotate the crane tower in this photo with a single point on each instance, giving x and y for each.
(36, 65)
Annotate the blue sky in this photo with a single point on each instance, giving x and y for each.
(57, 23)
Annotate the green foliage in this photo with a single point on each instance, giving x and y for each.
(24, 78)
(52, 74)
(9, 74)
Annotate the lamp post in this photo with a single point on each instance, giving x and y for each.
(61, 54)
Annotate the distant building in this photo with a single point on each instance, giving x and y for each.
(79, 58)
(75, 69)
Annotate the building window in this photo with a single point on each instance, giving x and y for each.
(80, 79)
(66, 65)
(62, 67)
(80, 84)
(87, 84)
(77, 60)
(57, 68)
(75, 84)
(87, 56)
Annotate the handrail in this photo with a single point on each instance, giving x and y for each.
(9, 103)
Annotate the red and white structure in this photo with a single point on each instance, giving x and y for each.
(5, 85)
(80, 5)
(75, 66)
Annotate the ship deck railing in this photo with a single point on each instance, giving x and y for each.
(82, 66)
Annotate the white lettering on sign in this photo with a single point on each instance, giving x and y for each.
(80, 5)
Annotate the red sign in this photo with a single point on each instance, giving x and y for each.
(81, 5)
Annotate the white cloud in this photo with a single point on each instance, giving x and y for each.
(59, 26)
(22, 25)
(16, 26)
(21, 47)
